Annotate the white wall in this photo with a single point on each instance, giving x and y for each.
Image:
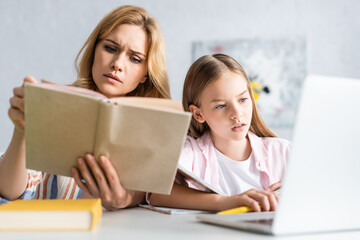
(41, 38)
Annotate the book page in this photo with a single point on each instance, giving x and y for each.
(156, 103)
(84, 91)
(60, 126)
(174, 211)
(144, 144)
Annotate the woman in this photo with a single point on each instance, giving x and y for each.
(123, 56)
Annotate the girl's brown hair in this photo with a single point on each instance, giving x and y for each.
(157, 84)
(206, 70)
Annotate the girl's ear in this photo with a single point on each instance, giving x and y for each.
(196, 113)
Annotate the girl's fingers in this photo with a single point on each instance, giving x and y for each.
(275, 186)
(267, 199)
(99, 176)
(250, 202)
(87, 176)
(261, 198)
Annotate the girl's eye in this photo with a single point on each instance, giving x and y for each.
(135, 59)
(220, 106)
(110, 49)
(243, 99)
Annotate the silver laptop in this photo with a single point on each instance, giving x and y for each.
(321, 187)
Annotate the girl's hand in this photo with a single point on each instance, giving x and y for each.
(275, 187)
(102, 181)
(252, 198)
(16, 110)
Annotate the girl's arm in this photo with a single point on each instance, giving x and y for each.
(13, 172)
(188, 198)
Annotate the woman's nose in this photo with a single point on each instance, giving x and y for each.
(118, 63)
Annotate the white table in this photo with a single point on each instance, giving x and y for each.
(138, 223)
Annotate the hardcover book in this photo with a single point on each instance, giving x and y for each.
(50, 215)
(143, 137)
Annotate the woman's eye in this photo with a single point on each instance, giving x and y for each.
(110, 49)
(135, 59)
(243, 99)
(220, 106)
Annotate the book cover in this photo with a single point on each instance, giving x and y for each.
(50, 215)
(143, 137)
(197, 181)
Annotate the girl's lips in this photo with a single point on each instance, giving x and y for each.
(238, 127)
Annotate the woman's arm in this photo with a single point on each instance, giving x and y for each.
(188, 198)
(13, 172)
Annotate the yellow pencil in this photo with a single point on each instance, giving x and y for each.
(242, 209)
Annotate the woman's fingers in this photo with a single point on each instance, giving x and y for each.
(17, 117)
(110, 172)
(78, 180)
(100, 178)
(88, 177)
(30, 79)
(17, 103)
(119, 193)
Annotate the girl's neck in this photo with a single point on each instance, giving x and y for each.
(236, 150)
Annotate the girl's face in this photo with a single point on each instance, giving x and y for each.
(226, 107)
(120, 60)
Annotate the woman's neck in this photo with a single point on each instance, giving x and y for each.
(239, 150)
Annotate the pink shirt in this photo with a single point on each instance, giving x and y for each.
(269, 156)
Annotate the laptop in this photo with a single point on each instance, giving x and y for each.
(320, 190)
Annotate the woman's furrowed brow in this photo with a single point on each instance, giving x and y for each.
(118, 45)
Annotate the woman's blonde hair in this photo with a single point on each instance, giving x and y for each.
(206, 70)
(157, 84)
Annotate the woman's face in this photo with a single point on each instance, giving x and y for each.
(120, 60)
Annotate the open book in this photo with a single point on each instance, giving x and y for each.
(143, 137)
(198, 182)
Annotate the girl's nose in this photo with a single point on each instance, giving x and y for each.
(236, 113)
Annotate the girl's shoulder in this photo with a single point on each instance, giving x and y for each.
(270, 143)
(276, 141)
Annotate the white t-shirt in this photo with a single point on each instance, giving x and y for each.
(237, 176)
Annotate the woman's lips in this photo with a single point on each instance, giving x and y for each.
(112, 78)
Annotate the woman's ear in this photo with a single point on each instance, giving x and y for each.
(196, 113)
(144, 78)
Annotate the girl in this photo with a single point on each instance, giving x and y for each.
(123, 56)
(229, 145)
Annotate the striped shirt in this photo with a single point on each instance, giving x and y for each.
(48, 186)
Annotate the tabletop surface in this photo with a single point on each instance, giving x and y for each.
(138, 223)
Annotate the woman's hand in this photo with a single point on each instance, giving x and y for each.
(252, 198)
(101, 181)
(16, 110)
